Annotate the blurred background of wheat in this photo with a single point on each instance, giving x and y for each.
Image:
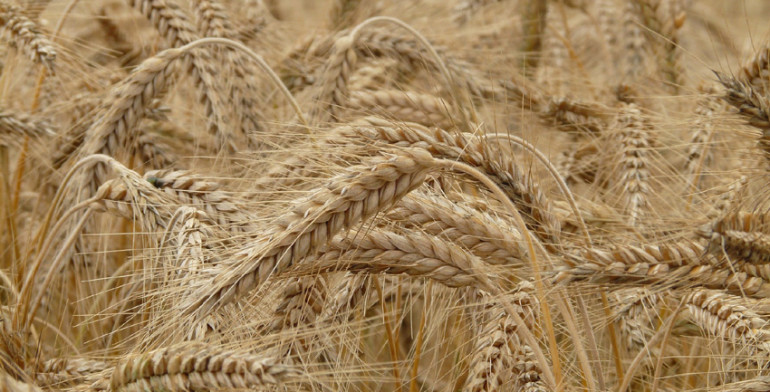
(362, 195)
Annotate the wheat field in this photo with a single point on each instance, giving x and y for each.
(365, 195)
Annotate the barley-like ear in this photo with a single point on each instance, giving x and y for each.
(699, 152)
(197, 367)
(743, 235)
(11, 384)
(633, 42)
(520, 187)
(674, 264)
(27, 36)
(412, 253)
(342, 14)
(333, 92)
(127, 104)
(347, 200)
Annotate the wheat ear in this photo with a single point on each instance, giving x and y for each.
(60, 372)
(408, 106)
(197, 368)
(27, 35)
(699, 148)
(192, 190)
(174, 25)
(14, 126)
(533, 30)
(499, 356)
(673, 264)
(725, 316)
(633, 165)
(753, 105)
(520, 188)
(412, 253)
(484, 235)
(348, 199)
(214, 22)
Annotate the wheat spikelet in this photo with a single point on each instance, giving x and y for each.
(196, 368)
(345, 201)
(26, 35)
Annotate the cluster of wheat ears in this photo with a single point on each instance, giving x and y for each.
(360, 195)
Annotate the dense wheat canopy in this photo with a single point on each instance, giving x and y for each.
(365, 195)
